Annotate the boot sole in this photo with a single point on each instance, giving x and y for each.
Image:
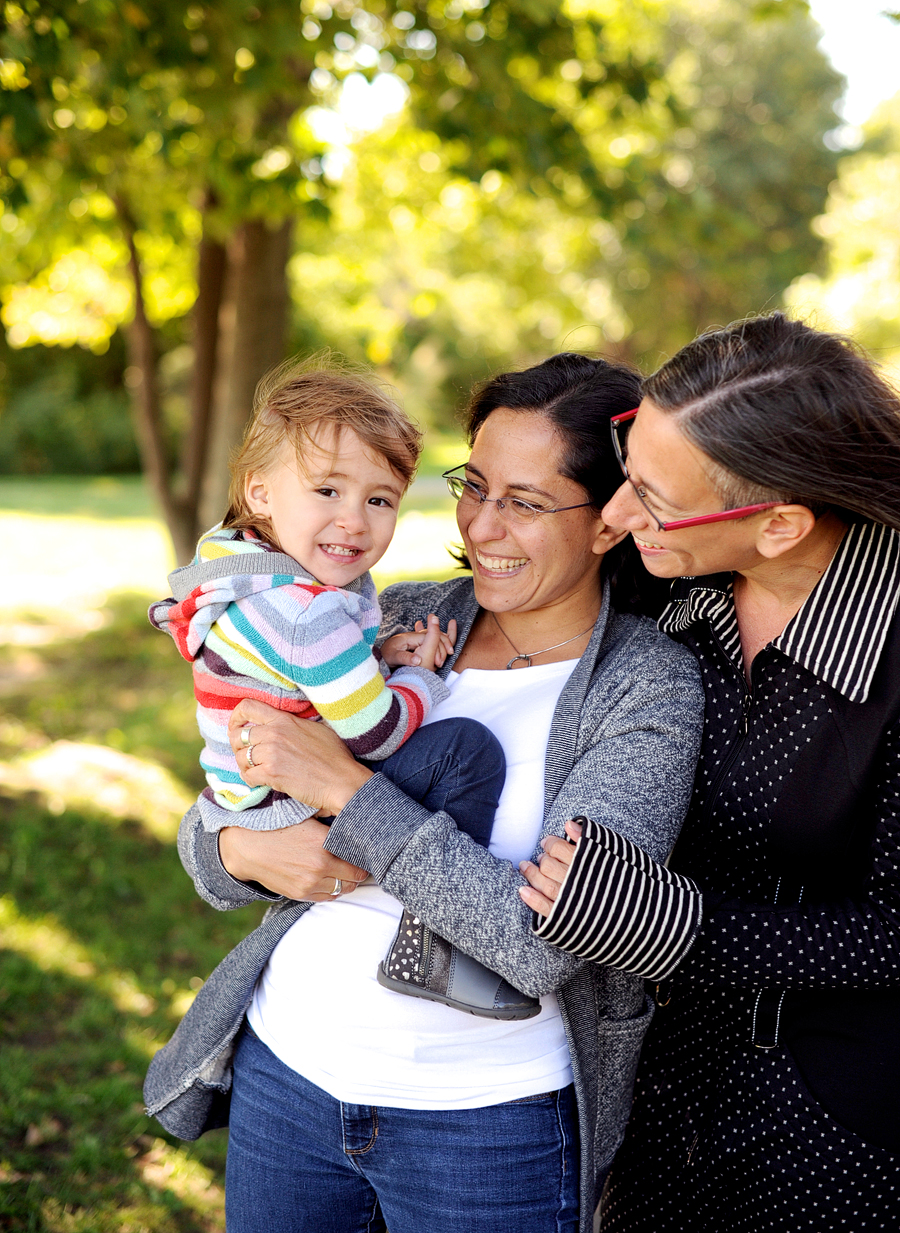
(482, 1012)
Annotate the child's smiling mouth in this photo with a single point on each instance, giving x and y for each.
(346, 551)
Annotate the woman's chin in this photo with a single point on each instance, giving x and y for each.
(496, 592)
(658, 561)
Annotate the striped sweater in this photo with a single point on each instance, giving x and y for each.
(255, 624)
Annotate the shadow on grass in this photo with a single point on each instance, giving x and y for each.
(123, 685)
(104, 941)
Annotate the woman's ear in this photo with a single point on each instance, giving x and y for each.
(783, 528)
(256, 494)
(606, 537)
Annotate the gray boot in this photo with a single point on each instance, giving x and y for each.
(423, 965)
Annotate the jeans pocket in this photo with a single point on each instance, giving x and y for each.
(532, 1100)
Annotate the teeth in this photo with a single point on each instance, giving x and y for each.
(500, 563)
(643, 543)
(339, 550)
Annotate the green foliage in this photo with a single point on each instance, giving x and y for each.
(103, 498)
(565, 167)
(859, 292)
(726, 226)
(64, 412)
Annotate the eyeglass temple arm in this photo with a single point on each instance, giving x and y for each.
(727, 515)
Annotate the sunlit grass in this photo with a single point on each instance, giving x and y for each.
(97, 497)
(103, 945)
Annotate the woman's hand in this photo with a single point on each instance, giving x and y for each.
(304, 759)
(546, 879)
(290, 862)
(425, 647)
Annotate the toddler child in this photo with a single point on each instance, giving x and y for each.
(279, 605)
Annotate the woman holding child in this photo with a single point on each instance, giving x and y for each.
(763, 474)
(353, 1107)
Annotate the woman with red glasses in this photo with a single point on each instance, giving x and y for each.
(763, 475)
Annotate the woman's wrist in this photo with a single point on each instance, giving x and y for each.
(234, 853)
(350, 784)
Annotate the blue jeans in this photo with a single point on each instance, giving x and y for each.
(456, 765)
(300, 1161)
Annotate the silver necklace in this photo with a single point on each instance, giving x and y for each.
(530, 655)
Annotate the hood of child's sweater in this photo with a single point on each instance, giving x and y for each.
(228, 565)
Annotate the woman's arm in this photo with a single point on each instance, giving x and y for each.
(199, 852)
(851, 943)
(636, 775)
(234, 867)
(596, 900)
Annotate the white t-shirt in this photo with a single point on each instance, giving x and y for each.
(320, 1009)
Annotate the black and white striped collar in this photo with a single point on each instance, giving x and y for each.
(840, 631)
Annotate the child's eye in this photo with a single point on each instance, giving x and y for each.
(381, 502)
(327, 491)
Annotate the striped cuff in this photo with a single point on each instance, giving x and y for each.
(618, 907)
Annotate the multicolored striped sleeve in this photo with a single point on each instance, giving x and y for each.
(320, 640)
(619, 907)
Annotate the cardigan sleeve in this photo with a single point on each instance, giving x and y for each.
(846, 943)
(198, 849)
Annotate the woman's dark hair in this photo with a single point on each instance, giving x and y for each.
(578, 396)
(787, 413)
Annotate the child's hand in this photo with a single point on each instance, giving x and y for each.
(421, 647)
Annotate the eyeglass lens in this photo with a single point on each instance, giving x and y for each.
(620, 440)
(509, 508)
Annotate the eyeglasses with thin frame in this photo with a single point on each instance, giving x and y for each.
(512, 509)
(619, 426)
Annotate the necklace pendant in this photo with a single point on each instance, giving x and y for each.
(527, 659)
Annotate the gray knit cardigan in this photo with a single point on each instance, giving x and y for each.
(622, 750)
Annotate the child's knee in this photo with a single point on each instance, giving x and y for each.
(469, 740)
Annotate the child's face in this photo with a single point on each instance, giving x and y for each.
(338, 516)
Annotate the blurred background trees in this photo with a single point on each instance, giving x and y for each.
(436, 187)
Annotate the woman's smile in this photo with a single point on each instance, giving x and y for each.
(489, 563)
(646, 548)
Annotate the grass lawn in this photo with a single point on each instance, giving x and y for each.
(103, 942)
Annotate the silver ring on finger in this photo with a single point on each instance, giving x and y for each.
(250, 761)
(245, 735)
(338, 887)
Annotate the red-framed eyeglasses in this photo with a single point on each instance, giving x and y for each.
(619, 425)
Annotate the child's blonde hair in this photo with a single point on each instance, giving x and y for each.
(295, 399)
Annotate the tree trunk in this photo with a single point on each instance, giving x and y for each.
(252, 329)
(145, 400)
(211, 270)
